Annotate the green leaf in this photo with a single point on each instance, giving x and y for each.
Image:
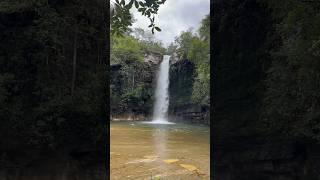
(136, 4)
(141, 9)
(157, 28)
(141, 4)
(129, 6)
(123, 2)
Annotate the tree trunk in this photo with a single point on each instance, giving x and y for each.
(74, 62)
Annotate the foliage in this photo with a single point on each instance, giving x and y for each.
(127, 46)
(52, 74)
(291, 103)
(199, 53)
(267, 69)
(171, 48)
(196, 48)
(204, 30)
(121, 19)
(131, 86)
(184, 42)
(243, 36)
(148, 42)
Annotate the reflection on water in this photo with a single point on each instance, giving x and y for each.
(146, 151)
(159, 141)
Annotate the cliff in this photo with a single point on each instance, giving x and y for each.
(181, 107)
(132, 84)
(138, 103)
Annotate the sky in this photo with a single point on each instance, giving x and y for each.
(173, 17)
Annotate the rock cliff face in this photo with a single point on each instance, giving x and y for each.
(142, 74)
(181, 77)
(181, 107)
(129, 117)
(152, 58)
(191, 113)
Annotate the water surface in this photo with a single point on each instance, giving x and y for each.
(139, 151)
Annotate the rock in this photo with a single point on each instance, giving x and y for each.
(128, 117)
(170, 161)
(192, 113)
(152, 58)
(174, 58)
(189, 167)
(150, 157)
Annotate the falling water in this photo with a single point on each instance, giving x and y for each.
(160, 111)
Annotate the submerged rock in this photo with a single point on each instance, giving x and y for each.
(170, 161)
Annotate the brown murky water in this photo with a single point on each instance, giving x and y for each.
(151, 151)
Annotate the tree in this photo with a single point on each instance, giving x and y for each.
(204, 30)
(171, 48)
(291, 101)
(196, 48)
(184, 42)
(52, 74)
(121, 19)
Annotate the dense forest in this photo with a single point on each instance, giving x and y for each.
(266, 89)
(195, 47)
(53, 74)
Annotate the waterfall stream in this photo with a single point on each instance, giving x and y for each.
(160, 110)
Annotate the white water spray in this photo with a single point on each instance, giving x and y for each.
(160, 110)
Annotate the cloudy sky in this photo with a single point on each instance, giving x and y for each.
(173, 17)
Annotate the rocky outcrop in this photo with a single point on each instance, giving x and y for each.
(181, 82)
(181, 108)
(174, 58)
(191, 113)
(128, 117)
(152, 58)
(130, 75)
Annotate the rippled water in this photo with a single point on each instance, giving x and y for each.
(139, 151)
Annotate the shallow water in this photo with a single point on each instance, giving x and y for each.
(139, 150)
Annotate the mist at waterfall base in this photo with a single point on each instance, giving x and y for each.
(160, 109)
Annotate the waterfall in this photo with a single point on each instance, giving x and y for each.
(160, 110)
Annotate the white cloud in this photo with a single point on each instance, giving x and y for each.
(173, 17)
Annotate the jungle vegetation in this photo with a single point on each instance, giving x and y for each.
(267, 69)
